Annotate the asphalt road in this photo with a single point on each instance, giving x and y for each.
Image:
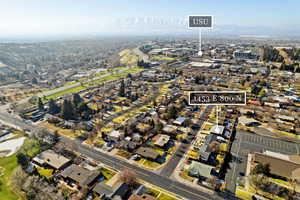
(148, 176)
(168, 169)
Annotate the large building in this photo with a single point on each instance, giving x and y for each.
(285, 166)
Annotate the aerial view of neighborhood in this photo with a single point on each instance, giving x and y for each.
(150, 100)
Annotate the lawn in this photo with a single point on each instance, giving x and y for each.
(107, 129)
(124, 154)
(114, 76)
(286, 133)
(163, 58)
(193, 154)
(107, 173)
(184, 174)
(9, 164)
(181, 136)
(47, 173)
(241, 193)
(151, 164)
(118, 109)
(164, 196)
(71, 133)
(281, 183)
(61, 93)
(160, 151)
(153, 192)
(207, 127)
(31, 147)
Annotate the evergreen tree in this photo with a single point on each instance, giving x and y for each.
(122, 89)
(154, 103)
(158, 127)
(67, 111)
(22, 160)
(77, 99)
(129, 76)
(53, 108)
(84, 110)
(40, 105)
(172, 112)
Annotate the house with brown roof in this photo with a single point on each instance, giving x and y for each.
(286, 166)
(147, 153)
(80, 176)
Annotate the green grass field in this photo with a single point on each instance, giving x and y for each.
(92, 83)
(9, 164)
(61, 93)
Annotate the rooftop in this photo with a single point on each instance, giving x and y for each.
(217, 129)
(51, 158)
(79, 174)
(279, 165)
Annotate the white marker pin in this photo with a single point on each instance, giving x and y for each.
(217, 118)
(200, 53)
(199, 22)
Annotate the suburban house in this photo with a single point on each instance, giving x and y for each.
(128, 145)
(147, 153)
(246, 121)
(169, 129)
(205, 150)
(105, 191)
(115, 135)
(180, 121)
(80, 176)
(50, 159)
(217, 129)
(161, 140)
(200, 170)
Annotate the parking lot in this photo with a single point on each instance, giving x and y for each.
(245, 140)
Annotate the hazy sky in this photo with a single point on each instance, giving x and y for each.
(23, 17)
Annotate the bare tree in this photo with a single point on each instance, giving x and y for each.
(71, 146)
(213, 182)
(128, 176)
(92, 136)
(18, 178)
